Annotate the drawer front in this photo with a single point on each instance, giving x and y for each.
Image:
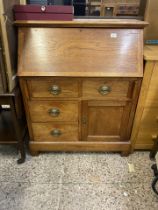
(53, 88)
(49, 132)
(48, 111)
(105, 88)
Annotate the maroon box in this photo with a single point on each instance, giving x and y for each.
(38, 12)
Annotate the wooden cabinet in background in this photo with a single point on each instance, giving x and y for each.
(8, 46)
(80, 83)
(145, 128)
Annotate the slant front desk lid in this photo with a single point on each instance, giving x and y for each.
(90, 48)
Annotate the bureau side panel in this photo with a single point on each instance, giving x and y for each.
(24, 89)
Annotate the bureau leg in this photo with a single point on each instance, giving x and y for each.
(18, 132)
(34, 152)
(125, 153)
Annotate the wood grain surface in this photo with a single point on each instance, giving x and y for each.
(151, 52)
(39, 111)
(145, 123)
(80, 52)
(42, 132)
(86, 23)
(42, 87)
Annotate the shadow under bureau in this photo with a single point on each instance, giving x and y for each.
(80, 82)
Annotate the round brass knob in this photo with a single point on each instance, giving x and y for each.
(55, 90)
(54, 112)
(104, 90)
(56, 133)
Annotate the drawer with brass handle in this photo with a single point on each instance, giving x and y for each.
(55, 132)
(105, 88)
(54, 112)
(48, 111)
(53, 88)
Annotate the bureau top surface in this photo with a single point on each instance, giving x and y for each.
(151, 52)
(80, 52)
(98, 23)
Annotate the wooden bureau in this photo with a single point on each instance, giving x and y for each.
(80, 82)
(145, 128)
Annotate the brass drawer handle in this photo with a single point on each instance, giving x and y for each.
(55, 90)
(56, 133)
(104, 90)
(54, 112)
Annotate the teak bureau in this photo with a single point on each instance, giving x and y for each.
(80, 82)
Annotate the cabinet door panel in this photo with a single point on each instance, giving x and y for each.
(105, 121)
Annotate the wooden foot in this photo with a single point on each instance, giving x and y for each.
(125, 153)
(34, 152)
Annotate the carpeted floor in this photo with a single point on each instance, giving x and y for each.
(76, 181)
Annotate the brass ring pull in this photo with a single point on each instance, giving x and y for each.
(56, 133)
(55, 90)
(54, 112)
(104, 90)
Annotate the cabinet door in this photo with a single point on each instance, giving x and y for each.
(107, 121)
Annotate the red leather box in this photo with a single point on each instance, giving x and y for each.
(38, 12)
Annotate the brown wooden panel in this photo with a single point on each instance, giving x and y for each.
(152, 95)
(145, 138)
(42, 132)
(89, 23)
(143, 146)
(80, 52)
(63, 111)
(117, 88)
(148, 127)
(151, 52)
(149, 119)
(41, 87)
(78, 146)
(105, 121)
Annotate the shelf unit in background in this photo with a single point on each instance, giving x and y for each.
(12, 121)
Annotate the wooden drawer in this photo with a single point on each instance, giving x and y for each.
(48, 132)
(53, 87)
(47, 111)
(106, 88)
